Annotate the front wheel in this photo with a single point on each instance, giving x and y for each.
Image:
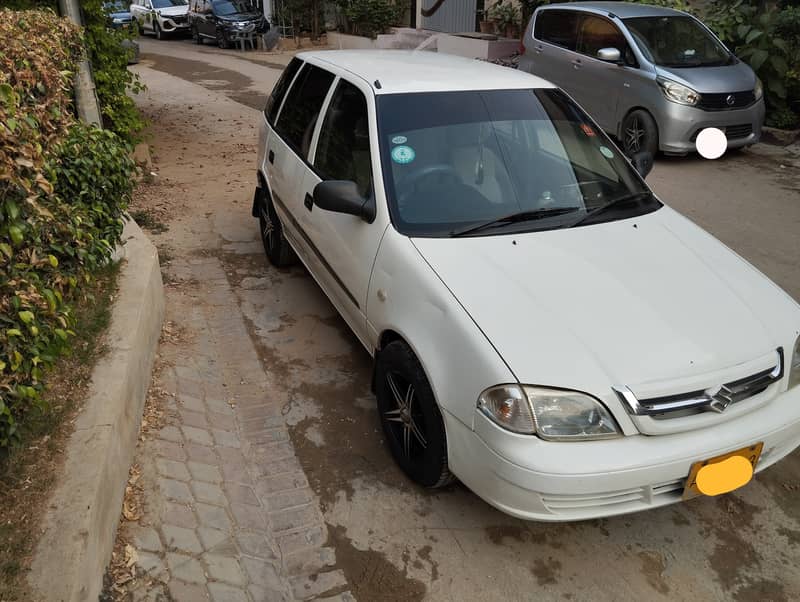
(222, 39)
(410, 416)
(639, 133)
(198, 39)
(159, 33)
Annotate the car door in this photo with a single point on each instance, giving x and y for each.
(555, 38)
(288, 149)
(148, 15)
(346, 148)
(598, 84)
(206, 18)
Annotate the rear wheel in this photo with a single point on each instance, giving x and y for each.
(639, 133)
(410, 416)
(276, 247)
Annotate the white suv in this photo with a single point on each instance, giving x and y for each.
(160, 17)
(543, 327)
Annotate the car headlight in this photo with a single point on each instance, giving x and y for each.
(794, 368)
(552, 414)
(116, 21)
(759, 89)
(678, 92)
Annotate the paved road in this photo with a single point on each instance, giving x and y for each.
(390, 539)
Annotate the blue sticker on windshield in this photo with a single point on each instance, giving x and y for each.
(399, 140)
(403, 154)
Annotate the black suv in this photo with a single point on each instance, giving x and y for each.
(225, 21)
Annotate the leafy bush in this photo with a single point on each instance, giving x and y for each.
(371, 17)
(112, 78)
(63, 188)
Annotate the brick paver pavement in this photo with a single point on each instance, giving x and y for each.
(228, 512)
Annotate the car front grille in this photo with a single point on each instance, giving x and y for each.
(178, 19)
(715, 399)
(732, 132)
(727, 101)
(625, 500)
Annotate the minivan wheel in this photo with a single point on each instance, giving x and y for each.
(276, 247)
(222, 39)
(198, 39)
(410, 416)
(639, 133)
(159, 33)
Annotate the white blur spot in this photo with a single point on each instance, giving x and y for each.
(712, 143)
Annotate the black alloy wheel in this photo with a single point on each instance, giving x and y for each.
(276, 247)
(639, 133)
(410, 417)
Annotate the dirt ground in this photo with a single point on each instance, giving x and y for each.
(392, 540)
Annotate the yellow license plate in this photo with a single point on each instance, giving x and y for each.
(724, 473)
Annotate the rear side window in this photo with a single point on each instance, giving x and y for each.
(559, 27)
(302, 107)
(279, 91)
(343, 147)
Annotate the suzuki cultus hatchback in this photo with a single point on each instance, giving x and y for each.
(544, 328)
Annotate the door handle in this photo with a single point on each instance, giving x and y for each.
(309, 202)
(576, 63)
(538, 48)
(271, 156)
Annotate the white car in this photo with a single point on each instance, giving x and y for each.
(544, 328)
(160, 17)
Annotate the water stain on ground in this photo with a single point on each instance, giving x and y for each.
(653, 567)
(761, 591)
(546, 571)
(370, 574)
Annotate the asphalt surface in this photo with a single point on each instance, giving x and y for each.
(393, 540)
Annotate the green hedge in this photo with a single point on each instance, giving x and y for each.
(63, 189)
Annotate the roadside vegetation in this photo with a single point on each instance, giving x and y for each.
(63, 189)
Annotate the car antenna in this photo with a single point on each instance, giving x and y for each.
(378, 84)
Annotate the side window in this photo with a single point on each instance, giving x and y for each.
(343, 147)
(597, 33)
(559, 27)
(302, 106)
(279, 91)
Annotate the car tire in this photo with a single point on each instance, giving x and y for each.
(276, 247)
(157, 30)
(639, 133)
(222, 39)
(410, 416)
(198, 39)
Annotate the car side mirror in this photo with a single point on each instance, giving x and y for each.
(342, 196)
(643, 163)
(610, 55)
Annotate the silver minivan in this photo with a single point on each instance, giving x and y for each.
(653, 77)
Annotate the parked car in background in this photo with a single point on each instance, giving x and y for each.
(544, 328)
(651, 76)
(160, 17)
(225, 21)
(119, 17)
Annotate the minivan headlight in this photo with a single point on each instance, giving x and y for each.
(794, 367)
(759, 89)
(678, 92)
(552, 414)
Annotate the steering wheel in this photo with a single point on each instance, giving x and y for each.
(408, 184)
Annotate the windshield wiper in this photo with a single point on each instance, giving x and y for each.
(522, 216)
(610, 205)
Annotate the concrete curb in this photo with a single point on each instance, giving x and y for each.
(79, 528)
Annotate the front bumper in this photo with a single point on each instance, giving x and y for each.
(180, 24)
(554, 481)
(678, 125)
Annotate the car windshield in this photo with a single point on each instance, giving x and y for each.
(116, 7)
(232, 7)
(677, 42)
(454, 161)
(169, 3)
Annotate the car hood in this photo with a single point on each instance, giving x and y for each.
(640, 300)
(174, 11)
(239, 17)
(729, 78)
(120, 15)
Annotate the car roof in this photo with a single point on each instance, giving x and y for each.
(399, 71)
(623, 10)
